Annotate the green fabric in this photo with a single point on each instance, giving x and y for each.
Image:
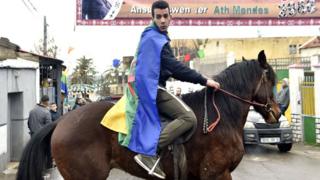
(64, 77)
(131, 108)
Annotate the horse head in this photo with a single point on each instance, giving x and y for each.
(263, 93)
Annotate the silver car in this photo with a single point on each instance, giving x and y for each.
(257, 131)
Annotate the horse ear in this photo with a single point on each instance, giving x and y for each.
(243, 59)
(262, 59)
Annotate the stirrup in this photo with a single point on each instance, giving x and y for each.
(151, 172)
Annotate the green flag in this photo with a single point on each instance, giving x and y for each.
(201, 53)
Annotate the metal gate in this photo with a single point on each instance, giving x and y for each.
(308, 107)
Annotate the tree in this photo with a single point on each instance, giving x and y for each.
(52, 48)
(103, 85)
(84, 72)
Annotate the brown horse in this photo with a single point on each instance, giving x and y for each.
(83, 149)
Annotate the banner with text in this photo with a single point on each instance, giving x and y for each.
(202, 12)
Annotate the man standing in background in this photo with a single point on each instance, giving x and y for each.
(178, 92)
(283, 97)
(53, 111)
(39, 116)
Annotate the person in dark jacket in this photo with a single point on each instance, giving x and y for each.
(39, 116)
(283, 97)
(53, 111)
(183, 118)
(79, 102)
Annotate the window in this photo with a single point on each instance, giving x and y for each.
(292, 49)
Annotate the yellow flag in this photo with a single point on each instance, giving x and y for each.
(115, 118)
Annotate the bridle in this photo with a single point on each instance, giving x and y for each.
(267, 107)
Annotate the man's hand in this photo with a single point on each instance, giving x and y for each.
(213, 83)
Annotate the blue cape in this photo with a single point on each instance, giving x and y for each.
(146, 126)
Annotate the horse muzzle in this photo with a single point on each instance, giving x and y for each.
(273, 113)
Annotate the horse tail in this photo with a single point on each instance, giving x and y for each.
(36, 156)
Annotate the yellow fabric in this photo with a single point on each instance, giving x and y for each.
(115, 118)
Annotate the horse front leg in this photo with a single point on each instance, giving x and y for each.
(214, 168)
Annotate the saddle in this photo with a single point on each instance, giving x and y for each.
(178, 151)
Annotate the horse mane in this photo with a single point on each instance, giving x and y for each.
(239, 79)
(239, 75)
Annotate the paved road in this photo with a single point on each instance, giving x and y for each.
(265, 162)
(260, 162)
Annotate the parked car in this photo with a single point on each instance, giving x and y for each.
(257, 131)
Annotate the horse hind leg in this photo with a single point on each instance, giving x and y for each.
(83, 162)
(84, 167)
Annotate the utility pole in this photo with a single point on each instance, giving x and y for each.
(45, 36)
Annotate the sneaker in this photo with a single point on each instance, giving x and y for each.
(147, 163)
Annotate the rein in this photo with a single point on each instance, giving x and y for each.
(207, 128)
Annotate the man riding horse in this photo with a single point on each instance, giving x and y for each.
(154, 64)
(84, 149)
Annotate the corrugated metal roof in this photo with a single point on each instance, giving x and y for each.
(4, 42)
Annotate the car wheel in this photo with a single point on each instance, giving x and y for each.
(284, 147)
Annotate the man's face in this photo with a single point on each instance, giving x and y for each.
(284, 84)
(162, 18)
(53, 107)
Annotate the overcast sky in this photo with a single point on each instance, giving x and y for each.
(23, 25)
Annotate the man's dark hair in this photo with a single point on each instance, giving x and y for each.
(44, 98)
(159, 5)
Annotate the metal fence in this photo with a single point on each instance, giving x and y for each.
(283, 63)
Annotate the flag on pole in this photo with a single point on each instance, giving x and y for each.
(64, 88)
(201, 53)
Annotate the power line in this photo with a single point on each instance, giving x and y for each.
(30, 6)
(25, 4)
(33, 7)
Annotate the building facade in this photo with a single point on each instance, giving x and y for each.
(24, 77)
(19, 79)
